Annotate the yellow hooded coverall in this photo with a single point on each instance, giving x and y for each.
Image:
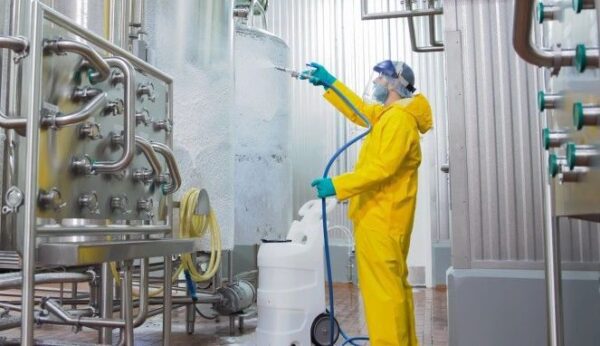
(383, 191)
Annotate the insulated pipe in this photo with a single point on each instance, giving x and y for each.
(365, 15)
(45, 278)
(128, 119)
(16, 44)
(96, 104)
(167, 153)
(524, 45)
(100, 65)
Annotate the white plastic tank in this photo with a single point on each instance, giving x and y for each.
(291, 291)
(261, 122)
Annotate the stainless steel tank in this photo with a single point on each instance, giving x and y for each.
(192, 41)
(263, 179)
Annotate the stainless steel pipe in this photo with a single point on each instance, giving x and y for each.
(44, 278)
(128, 122)
(169, 156)
(92, 107)
(14, 43)
(524, 45)
(365, 15)
(101, 68)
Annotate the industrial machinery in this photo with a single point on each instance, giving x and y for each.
(571, 133)
(89, 173)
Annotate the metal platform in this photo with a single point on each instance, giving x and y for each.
(71, 254)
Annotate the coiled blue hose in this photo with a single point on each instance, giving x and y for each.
(347, 339)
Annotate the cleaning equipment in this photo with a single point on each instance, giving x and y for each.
(331, 312)
(290, 295)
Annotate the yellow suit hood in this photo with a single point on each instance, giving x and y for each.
(419, 108)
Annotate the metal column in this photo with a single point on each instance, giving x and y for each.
(106, 308)
(167, 303)
(552, 267)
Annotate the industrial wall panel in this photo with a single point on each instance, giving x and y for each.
(500, 222)
(331, 32)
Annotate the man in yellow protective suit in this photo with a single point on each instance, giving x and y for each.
(382, 190)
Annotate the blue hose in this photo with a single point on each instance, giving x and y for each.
(347, 340)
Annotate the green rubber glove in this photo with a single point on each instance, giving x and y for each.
(318, 75)
(324, 187)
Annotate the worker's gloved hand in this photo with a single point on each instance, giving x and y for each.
(318, 75)
(324, 187)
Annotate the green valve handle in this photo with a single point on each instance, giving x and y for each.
(578, 116)
(540, 98)
(571, 155)
(579, 5)
(540, 12)
(553, 165)
(546, 138)
(580, 58)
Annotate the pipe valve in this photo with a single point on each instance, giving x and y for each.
(51, 199)
(146, 89)
(143, 117)
(145, 206)
(90, 130)
(89, 201)
(166, 125)
(120, 204)
(585, 115)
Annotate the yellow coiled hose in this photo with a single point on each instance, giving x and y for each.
(191, 226)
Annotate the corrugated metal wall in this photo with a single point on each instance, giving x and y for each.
(495, 147)
(331, 32)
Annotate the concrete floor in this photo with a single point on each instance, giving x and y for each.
(430, 312)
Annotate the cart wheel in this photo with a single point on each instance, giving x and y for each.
(320, 333)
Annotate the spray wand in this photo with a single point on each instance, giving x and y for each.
(297, 75)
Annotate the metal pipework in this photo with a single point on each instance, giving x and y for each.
(435, 46)
(579, 5)
(585, 115)
(525, 47)
(126, 337)
(128, 119)
(14, 281)
(582, 156)
(95, 105)
(106, 302)
(19, 45)
(365, 15)
(549, 101)
(554, 138)
(567, 176)
(547, 12)
(100, 65)
(12, 123)
(58, 311)
(166, 152)
(146, 147)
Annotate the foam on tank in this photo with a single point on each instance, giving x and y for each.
(263, 179)
(192, 42)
